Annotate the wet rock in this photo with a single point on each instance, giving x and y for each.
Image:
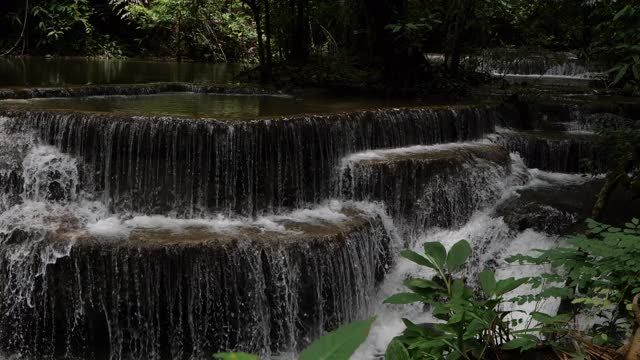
(561, 208)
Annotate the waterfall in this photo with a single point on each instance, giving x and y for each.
(555, 65)
(568, 152)
(264, 286)
(132, 237)
(492, 240)
(190, 167)
(427, 186)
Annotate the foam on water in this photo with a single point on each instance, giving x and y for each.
(381, 154)
(330, 213)
(492, 241)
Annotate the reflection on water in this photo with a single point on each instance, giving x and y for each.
(39, 71)
(200, 105)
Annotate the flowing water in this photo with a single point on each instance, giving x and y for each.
(174, 225)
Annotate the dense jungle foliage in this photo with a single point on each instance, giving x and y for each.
(393, 36)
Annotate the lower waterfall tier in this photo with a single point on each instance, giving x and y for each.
(426, 186)
(160, 288)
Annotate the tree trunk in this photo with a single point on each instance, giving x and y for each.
(459, 14)
(268, 55)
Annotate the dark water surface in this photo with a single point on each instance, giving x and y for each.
(51, 72)
(202, 105)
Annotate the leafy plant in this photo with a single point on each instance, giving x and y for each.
(339, 344)
(619, 42)
(57, 20)
(603, 266)
(473, 324)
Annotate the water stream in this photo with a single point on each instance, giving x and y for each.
(174, 225)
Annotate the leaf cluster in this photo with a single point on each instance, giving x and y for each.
(602, 267)
(472, 326)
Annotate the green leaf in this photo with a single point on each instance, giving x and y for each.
(396, 351)
(542, 318)
(488, 282)
(416, 258)
(522, 343)
(621, 12)
(458, 255)
(436, 253)
(235, 356)
(621, 73)
(457, 289)
(423, 284)
(507, 285)
(403, 298)
(339, 344)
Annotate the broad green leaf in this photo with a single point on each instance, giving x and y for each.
(436, 252)
(488, 282)
(416, 258)
(339, 344)
(421, 283)
(507, 285)
(235, 356)
(403, 298)
(396, 351)
(542, 318)
(457, 289)
(458, 255)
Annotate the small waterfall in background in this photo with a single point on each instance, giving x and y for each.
(142, 237)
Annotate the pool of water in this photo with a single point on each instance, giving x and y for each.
(202, 105)
(51, 72)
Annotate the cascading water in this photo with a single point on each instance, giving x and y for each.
(190, 167)
(492, 241)
(162, 238)
(162, 288)
(426, 186)
(556, 65)
(568, 151)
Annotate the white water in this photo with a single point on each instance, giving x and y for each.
(331, 212)
(492, 241)
(382, 154)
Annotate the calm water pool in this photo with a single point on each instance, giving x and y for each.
(40, 71)
(198, 105)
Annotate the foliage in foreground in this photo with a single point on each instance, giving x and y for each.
(474, 323)
(603, 269)
(339, 344)
(600, 273)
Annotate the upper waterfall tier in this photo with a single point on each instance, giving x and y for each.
(189, 166)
